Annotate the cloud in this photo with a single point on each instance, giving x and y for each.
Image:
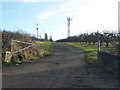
(26, 1)
(11, 1)
(73, 5)
(96, 16)
(44, 1)
(92, 16)
(46, 15)
(59, 32)
(63, 8)
(88, 16)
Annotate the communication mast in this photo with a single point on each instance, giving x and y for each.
(68, 26)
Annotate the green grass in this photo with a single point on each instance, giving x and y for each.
(110, 49)
(90, 50)
(45, 47)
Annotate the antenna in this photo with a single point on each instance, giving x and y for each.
(68, 26)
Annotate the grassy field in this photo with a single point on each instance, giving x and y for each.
(45, 47)
(90, 50)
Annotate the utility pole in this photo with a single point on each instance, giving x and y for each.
(37, 30)
(68, 26)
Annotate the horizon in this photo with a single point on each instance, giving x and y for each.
(88, 16)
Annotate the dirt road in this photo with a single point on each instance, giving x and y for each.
(66, 68)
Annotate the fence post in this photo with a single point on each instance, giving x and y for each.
(99, 45)
(98, 52)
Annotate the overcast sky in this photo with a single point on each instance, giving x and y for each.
(87, 16)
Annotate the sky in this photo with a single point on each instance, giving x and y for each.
(51, 16)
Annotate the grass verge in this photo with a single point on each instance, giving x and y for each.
(90, 51)
(45, 47)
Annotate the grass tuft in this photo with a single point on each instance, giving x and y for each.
(45, 47)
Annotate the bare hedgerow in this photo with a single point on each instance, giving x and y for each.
(27, 54)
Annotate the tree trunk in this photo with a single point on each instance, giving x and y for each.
(100, 43)
(89, 43)
(107, 44)
(93, 43)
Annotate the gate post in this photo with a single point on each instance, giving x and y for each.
(98, 50)
(11, 47)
